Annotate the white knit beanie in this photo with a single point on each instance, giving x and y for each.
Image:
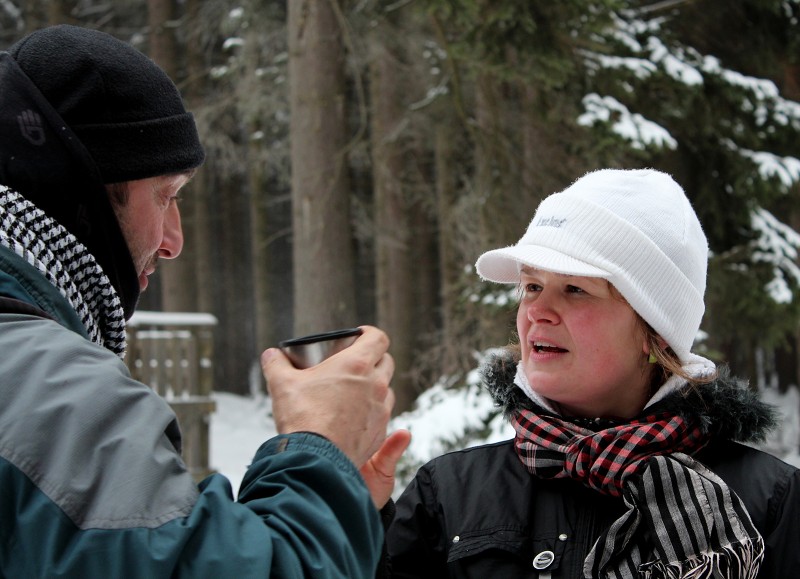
(635, 228)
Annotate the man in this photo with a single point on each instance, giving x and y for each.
(95, 145)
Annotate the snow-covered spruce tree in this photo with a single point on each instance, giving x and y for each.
(709, 92)
(706, 90)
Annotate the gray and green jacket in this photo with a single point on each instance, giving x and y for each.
(92, 483)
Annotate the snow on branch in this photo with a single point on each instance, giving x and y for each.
(687, 66)
(633, 127)
(785, 169)
(769, 105)
(778, 245)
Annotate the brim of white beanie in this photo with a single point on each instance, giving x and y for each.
(504, 265)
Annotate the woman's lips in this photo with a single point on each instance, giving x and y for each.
(543, 347)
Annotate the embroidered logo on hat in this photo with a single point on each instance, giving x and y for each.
(551, 222)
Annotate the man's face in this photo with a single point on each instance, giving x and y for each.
(151, 222)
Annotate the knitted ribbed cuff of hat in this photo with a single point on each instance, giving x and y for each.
(134, 142)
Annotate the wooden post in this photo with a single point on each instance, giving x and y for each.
(173, 354)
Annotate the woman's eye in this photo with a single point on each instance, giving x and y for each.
(574, 289)
(532, 287)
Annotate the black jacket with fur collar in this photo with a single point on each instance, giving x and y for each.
(478, 513)
(726, 407)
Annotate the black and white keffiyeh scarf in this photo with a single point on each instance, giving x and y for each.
(67, 265)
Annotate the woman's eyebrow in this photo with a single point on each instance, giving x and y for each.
(528, 270)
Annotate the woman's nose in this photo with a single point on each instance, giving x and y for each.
(543, 309)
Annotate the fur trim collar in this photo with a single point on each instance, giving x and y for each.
(726, 407)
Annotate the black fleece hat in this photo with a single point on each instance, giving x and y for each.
(123, 108)
(80, 109)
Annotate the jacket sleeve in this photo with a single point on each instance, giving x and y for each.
(415, 538)
(317, 507)
(782, 541)
(92, 484)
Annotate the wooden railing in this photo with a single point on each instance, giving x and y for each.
(173, 354)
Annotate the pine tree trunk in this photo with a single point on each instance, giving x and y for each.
(56, 11)
(196, 207)
(491, 174)
(394, 230)
(791, 90)
(324, 293)
(176, 294)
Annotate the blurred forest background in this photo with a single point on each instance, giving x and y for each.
(363, 153)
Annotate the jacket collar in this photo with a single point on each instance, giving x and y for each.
(727, 407)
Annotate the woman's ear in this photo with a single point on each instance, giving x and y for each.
(662, 343)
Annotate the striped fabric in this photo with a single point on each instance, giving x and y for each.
(67, 265)
(681, 519)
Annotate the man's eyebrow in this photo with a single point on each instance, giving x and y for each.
(164, 183)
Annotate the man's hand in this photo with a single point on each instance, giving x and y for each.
(345, 398)
(378, 472)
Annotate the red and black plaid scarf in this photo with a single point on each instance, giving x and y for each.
(647, 463)
(554, 448)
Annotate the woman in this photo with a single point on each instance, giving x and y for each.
(625, 461)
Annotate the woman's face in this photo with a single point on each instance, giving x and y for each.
(583, 346)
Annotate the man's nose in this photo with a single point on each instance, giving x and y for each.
(172, 241)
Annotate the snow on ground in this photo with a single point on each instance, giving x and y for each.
(241, 424)
(238, 427)
(783, 441)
